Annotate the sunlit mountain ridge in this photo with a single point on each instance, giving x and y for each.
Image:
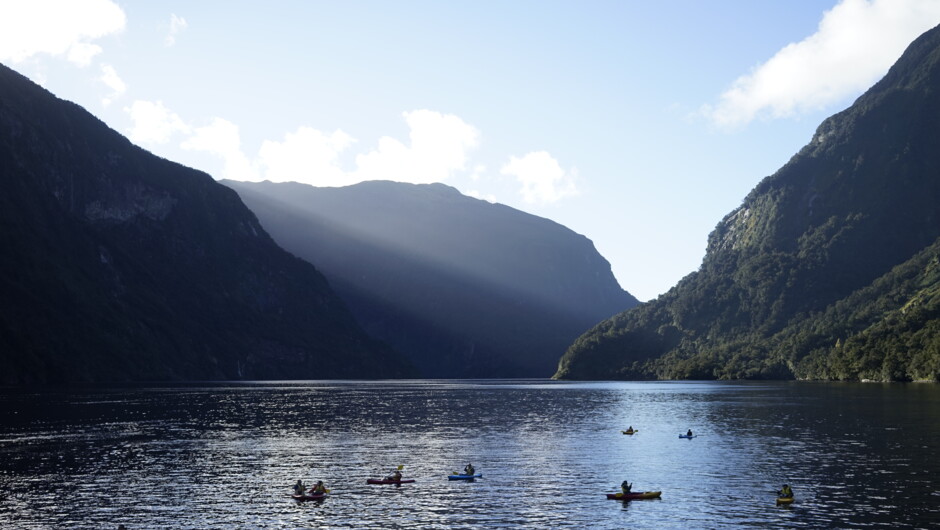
(463, 287)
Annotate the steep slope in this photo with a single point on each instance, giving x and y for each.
(466, 288)
(119, 265)
(769, 300)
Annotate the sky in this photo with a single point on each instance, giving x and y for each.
(637, 124)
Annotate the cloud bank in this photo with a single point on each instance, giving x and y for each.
(57, 28)
(855, 44)
(307, 155)
(438, 147)
(153, 123)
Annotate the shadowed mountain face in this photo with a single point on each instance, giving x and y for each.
(464, 287)
(119, 265)
(828, 270)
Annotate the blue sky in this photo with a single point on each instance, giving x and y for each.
(638, 124)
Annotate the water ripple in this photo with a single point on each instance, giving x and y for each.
(225, 456)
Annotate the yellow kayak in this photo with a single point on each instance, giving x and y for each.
(785, 500)
(631, 432)
(634, 495)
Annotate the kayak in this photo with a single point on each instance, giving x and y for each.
(785, 500)
(634, 495)
(388, 481)
(687, 436)
(630, 432)
(310, 497)
(456, 476)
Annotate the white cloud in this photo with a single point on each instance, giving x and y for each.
(222, 138)
(855, 44)
(439, 146)
(110, 78)
(81, 53)
(153, 123)
(477, 173)
(307, 156)
(56, 27)
(542, 177)
(177, 25)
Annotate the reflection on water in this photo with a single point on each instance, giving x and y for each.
(227, 455)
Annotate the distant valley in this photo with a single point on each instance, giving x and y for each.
(463, 287)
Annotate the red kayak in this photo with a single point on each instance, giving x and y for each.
(634, 495)
(388, 481)
(310, 497)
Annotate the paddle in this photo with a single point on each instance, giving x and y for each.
(392, 473)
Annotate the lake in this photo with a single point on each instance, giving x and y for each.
(226, 455)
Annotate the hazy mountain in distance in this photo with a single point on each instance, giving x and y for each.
(829, 269)
(464, 287)
(119, 265)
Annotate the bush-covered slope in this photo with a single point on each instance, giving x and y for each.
(118, 265)
(793, 281)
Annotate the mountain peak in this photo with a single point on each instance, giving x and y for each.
(120, 265)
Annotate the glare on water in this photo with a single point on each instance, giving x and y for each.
(226, 455)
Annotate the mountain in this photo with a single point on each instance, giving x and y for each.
(827, 270)
(118, 265)
(464, 287)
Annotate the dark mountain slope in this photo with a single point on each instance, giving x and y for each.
(862, 198)
(119, 265)
(464, 287)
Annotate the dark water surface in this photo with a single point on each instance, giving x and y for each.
(226, 455)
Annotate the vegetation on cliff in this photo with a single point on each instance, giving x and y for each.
(828, 269)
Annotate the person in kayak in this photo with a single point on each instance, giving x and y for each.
(468, 470)
(396, 475)
(630, 428)
(625, 487)
(299, 487)
(786, 492)
(318, 489)
(689, 434)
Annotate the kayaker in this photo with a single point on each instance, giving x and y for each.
(396, 475)
(625, 487)
(786, 492)
(689, 434)
(299, 487)
(318, 489)
(629, 429)
(468, 470)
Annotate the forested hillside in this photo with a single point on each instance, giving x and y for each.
(828, 269)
